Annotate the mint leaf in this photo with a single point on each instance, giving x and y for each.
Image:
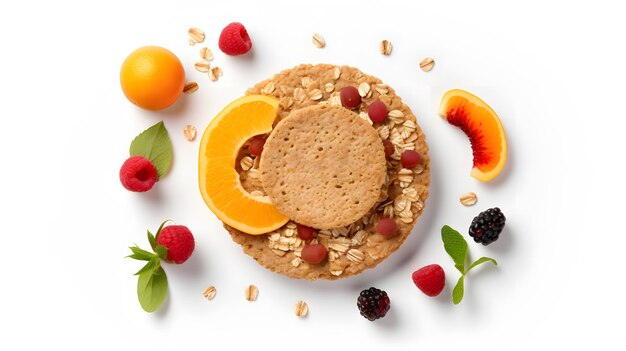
(161, 251)
(152, 240)
(455, 246)
(459, 290)
(140, 254)
(150, 267)
(155, 145)
(480, 261)
(152, 289)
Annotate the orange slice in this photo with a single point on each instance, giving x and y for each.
(483, 128)
(219, 182)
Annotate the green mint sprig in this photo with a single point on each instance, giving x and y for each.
(152, 282)
(154, 144)
(456, 246)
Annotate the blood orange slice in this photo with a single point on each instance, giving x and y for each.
(483, 128)
(219, 182)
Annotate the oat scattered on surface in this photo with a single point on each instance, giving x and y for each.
(427, 64)
(254, 173)
(190, 87)
(196, 35)
(306, 81)
(214, 73)
(268, 88)
(385, 47)
(316, 94)
(251, 292)
(355, 255)
(301, 309)
(329, 87)
(209, 292)
(318, 40)
(336, 73)
(246, 163)
(189, 132)
(206, 54)
(202, 66)
(468, 199)
(364, 89)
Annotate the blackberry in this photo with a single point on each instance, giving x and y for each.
(373, 303)
(487, 226)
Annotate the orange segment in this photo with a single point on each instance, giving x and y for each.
(219, 182)
(483, 128)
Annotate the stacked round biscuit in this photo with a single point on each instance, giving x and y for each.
(325, 167)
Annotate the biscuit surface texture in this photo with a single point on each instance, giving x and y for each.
(323, 166)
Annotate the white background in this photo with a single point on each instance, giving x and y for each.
(554, 73)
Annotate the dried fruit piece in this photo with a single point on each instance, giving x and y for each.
(389, 148)
(410, 158)
(468, 199)
(190, 87)
(314, 254)
(305, 233)
(251, 292)
(350, 97)
(387, 227)
(385, 47)
(318, 40)
(190, 132)
(301, 309)
(256, 145)
(427, 64)
(377, 111)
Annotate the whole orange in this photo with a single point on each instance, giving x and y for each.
(152, 77)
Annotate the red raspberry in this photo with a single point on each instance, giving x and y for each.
(430, 279)
(179, 242)
(235, 40)
(138, 174)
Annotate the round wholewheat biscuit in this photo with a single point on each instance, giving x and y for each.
(357, 246)
(323, 166)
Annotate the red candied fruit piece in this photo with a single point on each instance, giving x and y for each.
(377, 111)
(410, 159)
(350, 97)
(389, 149)
(306, 233)
(256, 145)
(314, 254)
(387, 227)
